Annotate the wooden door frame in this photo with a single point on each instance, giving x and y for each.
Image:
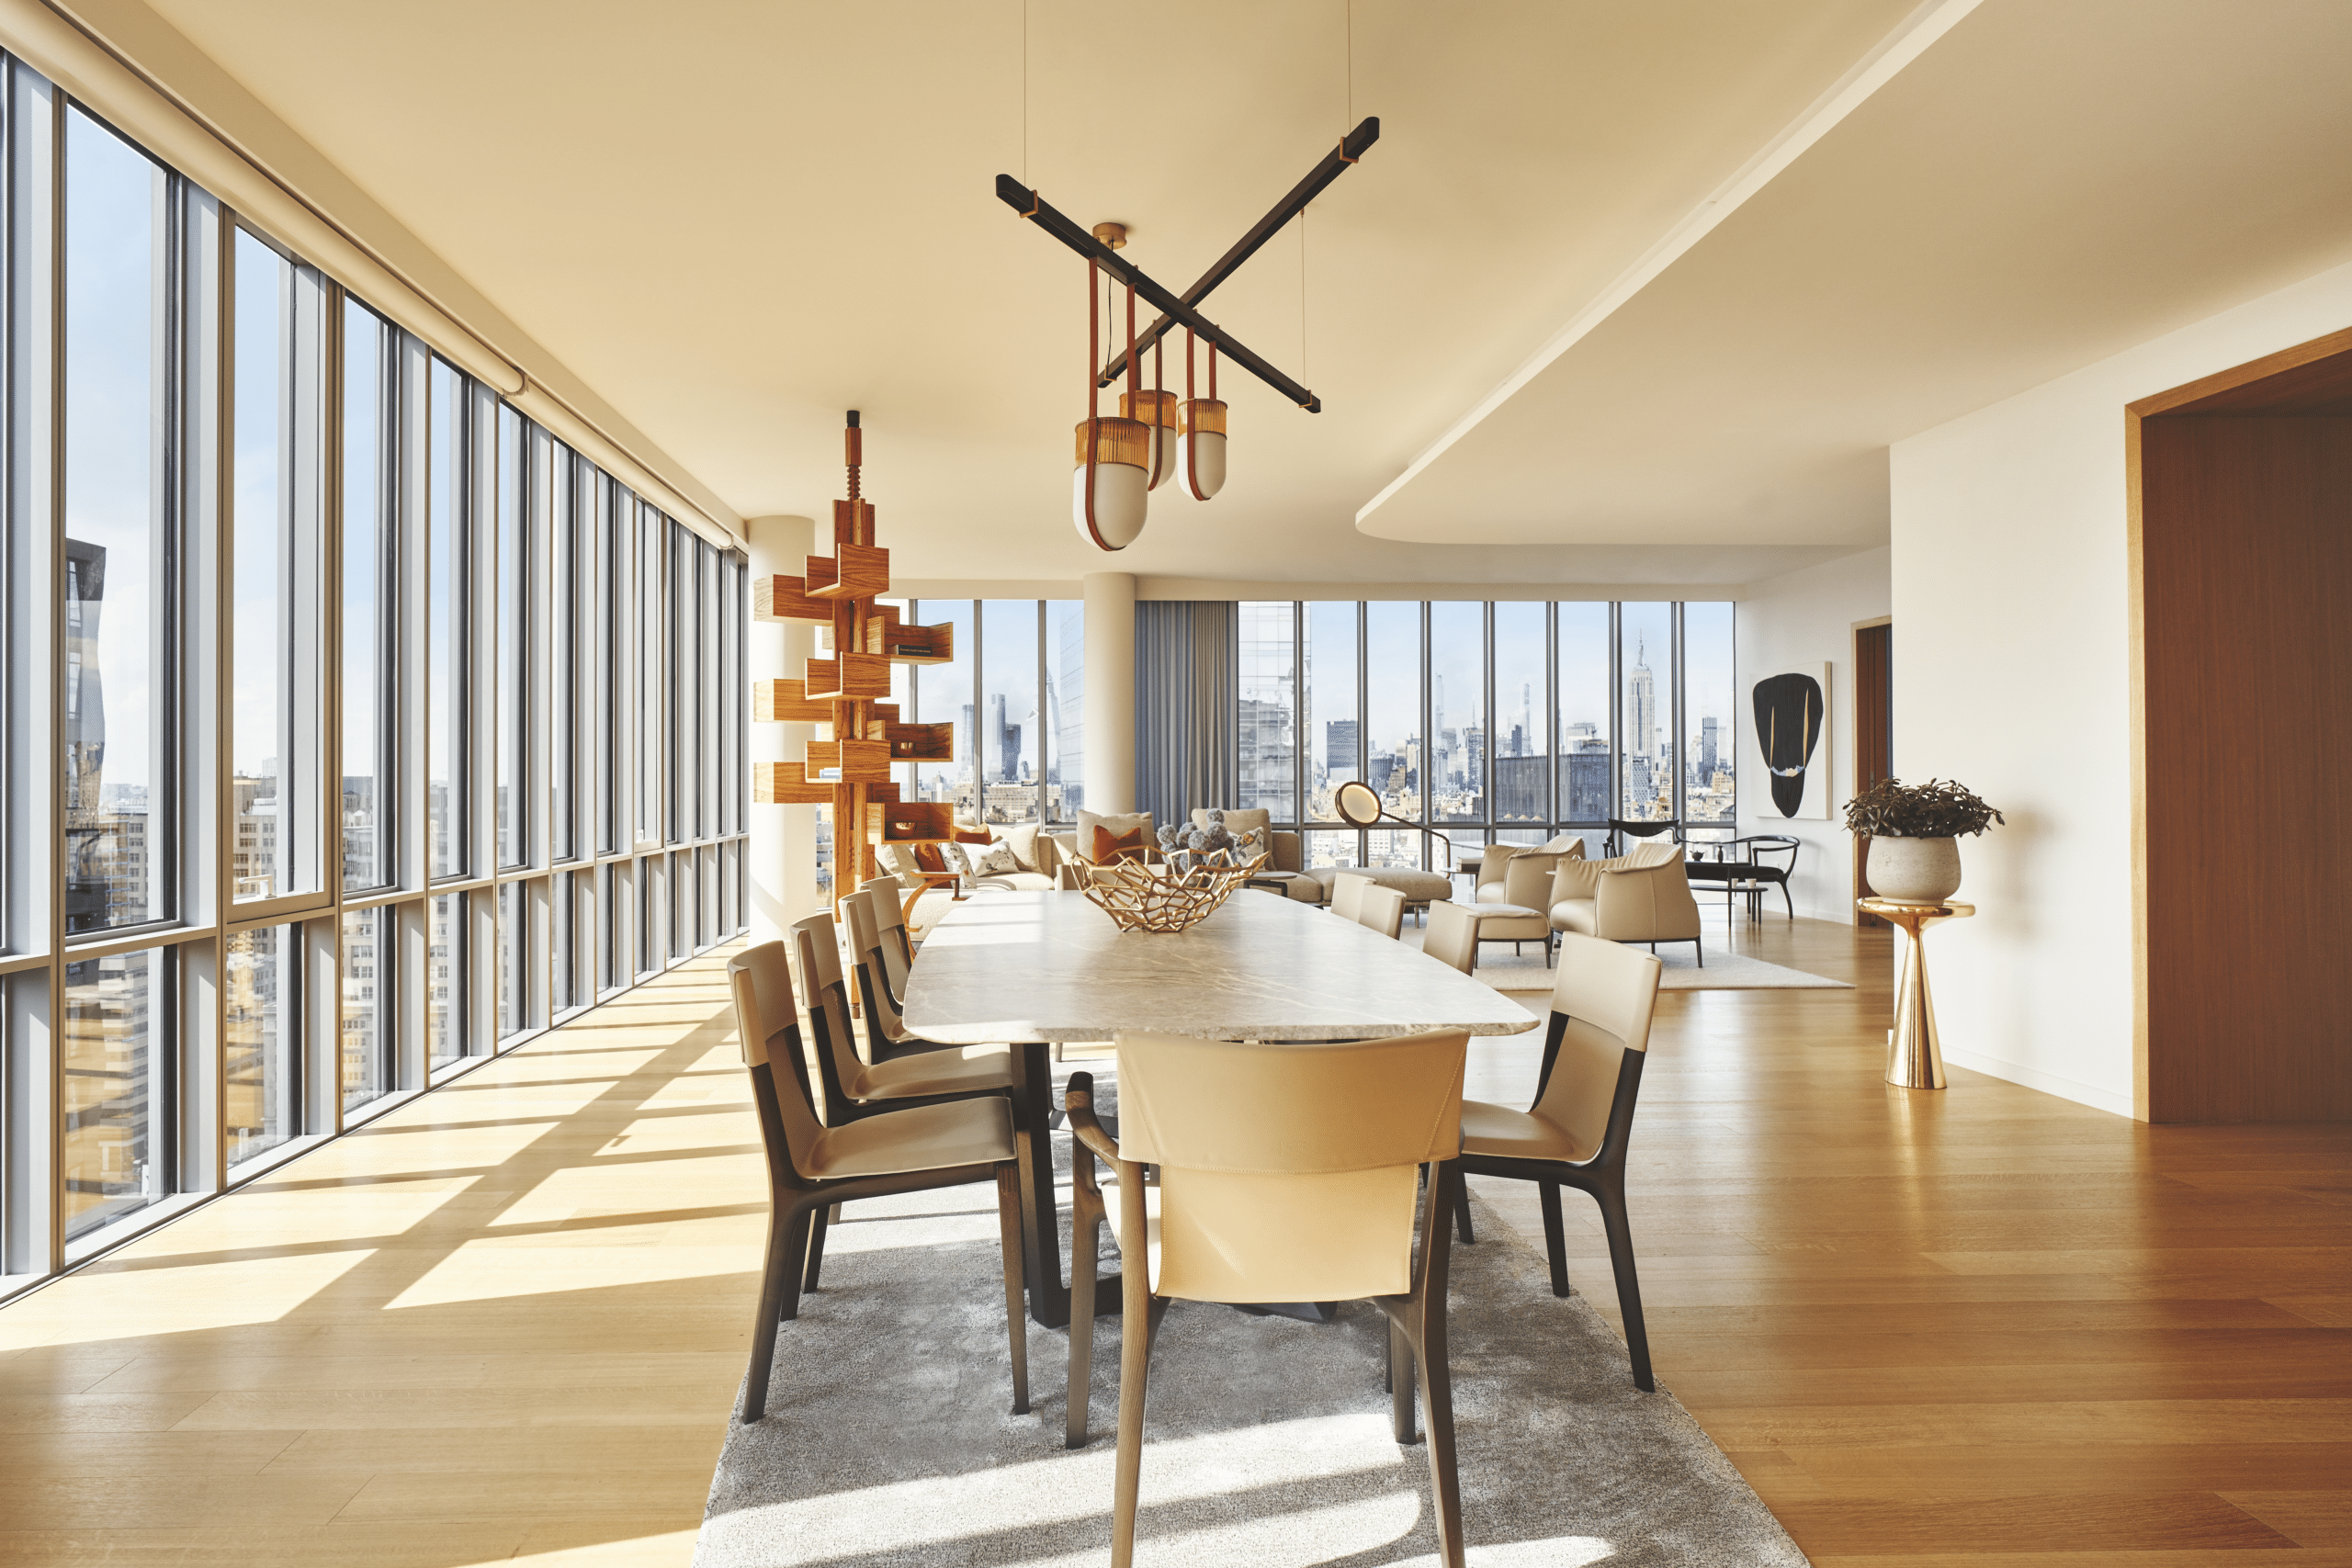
(1854, 778)
(2176, 399)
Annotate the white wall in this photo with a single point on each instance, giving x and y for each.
(1795, 621)
(2012, 674)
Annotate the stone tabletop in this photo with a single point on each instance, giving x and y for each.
(1032, 966)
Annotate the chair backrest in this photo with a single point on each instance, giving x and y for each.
(1528, 883)
(760, 982)
(1491, 868)
(1382, 909)
(865, 949)
(816, 959)
(1288, 1169)
(1657, 851)
(1763, 844)
(1599, 1029)
(1620, 831)
(883, 897)
(1347, 892)
(1451, 935)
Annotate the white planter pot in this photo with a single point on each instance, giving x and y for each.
(1915, 871)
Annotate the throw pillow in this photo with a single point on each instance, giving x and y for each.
(1249, 846)
(1022, 841)
(957, 861)
(927, 858)
(899, 861)
(997, 860)
(1120, 825)
(1109, 848)
(1238, 822)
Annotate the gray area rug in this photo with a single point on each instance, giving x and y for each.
(888, 1440)
(1725, 970)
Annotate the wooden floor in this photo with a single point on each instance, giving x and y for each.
(509, 1319)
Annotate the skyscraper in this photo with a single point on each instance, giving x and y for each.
(1640, 693)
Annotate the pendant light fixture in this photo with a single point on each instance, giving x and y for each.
(1155, 410)
(1200, 431)
(1109, 484)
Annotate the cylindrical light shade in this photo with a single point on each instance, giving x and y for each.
(1156, 412)
(1202, 447)
(1112, 516)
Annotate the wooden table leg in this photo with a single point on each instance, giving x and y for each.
(1041, 1224)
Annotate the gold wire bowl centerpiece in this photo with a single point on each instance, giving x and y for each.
(1164, 898)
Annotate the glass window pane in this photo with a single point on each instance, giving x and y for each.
(1393, 726)
(1334, 745)
(263, 1041)
(1711, 705)
(1330, 848)
(609, 929)
(1583, 696)
(367, 1032)
(445, 619)
(445, 980)
(564, 651)
(944, 695)
(1266, 756)
(612, 663)
(1458, 712)
(563, 952)
(117, 1040)
(263, 280)
(514, 583)
(369, 535)
(1008, 748)
(1522, 761)
(513, 956)
(647, 605)
(1645, 646)
(1064, 708)
(117, 674)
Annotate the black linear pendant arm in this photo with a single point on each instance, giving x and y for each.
(1032, 207)
(1335, 164)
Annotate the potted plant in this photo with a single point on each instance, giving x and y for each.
(1914, 831)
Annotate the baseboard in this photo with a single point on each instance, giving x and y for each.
(2048, 1083)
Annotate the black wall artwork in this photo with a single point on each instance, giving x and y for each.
(1788, 727)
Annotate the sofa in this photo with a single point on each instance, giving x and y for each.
(1037, 857)
(1641, 895)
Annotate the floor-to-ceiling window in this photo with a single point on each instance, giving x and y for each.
(1014, 693)
(385, 728)
(1507, 721)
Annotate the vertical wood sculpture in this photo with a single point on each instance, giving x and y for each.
(863, 736)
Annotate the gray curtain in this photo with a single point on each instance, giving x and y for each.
(1186, 703)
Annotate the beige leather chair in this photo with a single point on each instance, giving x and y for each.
(1576, 1132)
(811, 1167)
(1642, 895)
(886, 1035)
(1382, 909)
(895, 932)
(1347, 893)
(1488, 887)
(1453, 936)
(853, 1087)
(1287, 1172)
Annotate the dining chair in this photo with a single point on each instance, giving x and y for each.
(854, 1088)
(886, 1035)
(1576, 1132)
(812, 1168)
(1452, 935)
(1382, 909)
(1287, 1172)
(884, 891)
(1347, 890)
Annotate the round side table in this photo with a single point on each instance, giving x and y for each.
(1914, 1057)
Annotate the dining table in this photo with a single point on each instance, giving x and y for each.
(1034, 969)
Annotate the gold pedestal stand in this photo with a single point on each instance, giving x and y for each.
(1915, 1058)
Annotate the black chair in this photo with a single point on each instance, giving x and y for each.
(1751, 873)
(1620, 830)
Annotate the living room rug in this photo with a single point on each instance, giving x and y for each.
(887, 1439)
(1724, 971)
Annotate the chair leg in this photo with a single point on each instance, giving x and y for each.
(1085, 1241)
(1016, 1318)
(1401, 1375)
(819, 1224)
(1786, 903)
(779, 1257)
(1699, 948)
(788, 1265)
(1611, 1196)
(1134, 1369)
(1555, 1240)
(1437, 1393)
(1462, 1214)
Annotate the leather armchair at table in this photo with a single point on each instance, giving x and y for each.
(1643, 895)
(1287, 1172)
(1576, 1132)
(1521, 911)
(812, 1169)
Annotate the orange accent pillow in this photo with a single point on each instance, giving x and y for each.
(927, 856)
(1111, 848)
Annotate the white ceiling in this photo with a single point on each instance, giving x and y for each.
(734, 220)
